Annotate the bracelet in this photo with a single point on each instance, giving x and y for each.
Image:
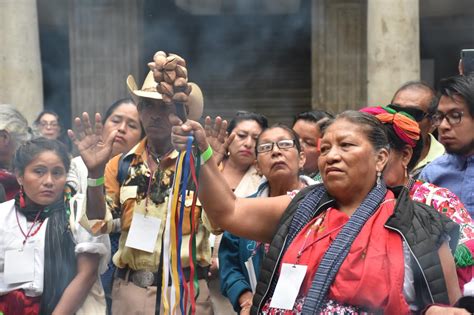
(206, 155)
(95, 182)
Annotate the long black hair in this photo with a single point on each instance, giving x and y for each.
(60, 265)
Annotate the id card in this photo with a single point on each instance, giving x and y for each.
(19, 265)
(143, 232)
(288, 286)
(251, 272)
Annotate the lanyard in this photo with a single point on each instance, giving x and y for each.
(314, 228)
(32, 226)
(150, 180)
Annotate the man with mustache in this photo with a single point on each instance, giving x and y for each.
(419, 95)
(137, 186)
(455, 121)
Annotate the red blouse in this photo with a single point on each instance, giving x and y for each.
(372, 274)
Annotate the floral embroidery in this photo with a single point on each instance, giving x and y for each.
(139, 175)
(446, 202)
(331, 307)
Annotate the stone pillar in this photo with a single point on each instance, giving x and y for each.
(338, 54)
(393, 47)
(20, 60)
(105, 39)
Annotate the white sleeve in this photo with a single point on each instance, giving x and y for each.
(77, 175)
(85, 241)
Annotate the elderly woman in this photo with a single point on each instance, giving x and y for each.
(50, 264)
(333, 244)
(14, 131)
(405, 149)
(279, 159)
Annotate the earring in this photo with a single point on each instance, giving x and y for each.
(379, 179)
(22, 197)
(406, 172)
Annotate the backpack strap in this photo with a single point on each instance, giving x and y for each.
(123, 166)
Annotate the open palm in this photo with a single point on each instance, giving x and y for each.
(217, 137)
(94, 150)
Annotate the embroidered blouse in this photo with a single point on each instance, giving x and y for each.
(446, 202)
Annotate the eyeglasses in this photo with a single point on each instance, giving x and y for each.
(282, 145)
(453, 117)
(45, 124)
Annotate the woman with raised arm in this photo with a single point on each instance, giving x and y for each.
(121, 117)
(50, 264)
(332, 244)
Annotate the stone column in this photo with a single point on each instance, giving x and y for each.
(338, 54)
(20, 62)
(105, 39)
(393, 47)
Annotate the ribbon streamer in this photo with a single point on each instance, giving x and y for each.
(181, 292)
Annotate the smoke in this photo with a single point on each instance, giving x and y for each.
(258, 62)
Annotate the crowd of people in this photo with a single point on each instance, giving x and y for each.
(358, 212)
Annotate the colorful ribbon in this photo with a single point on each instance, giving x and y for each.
(180, 291)
(404, 125)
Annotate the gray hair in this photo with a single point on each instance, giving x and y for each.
(12, 121)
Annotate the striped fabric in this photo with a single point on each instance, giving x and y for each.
(337, 252)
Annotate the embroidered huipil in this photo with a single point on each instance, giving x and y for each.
(445, 202)
(135, 195)
(455, 173)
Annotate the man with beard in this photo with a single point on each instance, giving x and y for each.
(455, 121)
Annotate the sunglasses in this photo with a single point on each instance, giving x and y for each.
(416, 113)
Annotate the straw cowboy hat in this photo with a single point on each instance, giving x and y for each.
(194, 106)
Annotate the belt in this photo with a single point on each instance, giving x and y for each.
(144, 278)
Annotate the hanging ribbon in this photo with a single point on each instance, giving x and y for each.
(181, 292)
(193, 279)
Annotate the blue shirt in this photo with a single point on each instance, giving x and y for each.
(455, 173)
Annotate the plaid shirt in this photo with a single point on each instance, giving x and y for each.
(139, 193)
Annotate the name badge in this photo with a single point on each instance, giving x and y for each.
(19, 265)
(288, 286)
(143, 232)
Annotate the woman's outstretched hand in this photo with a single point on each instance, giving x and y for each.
(94, 150)
(217, 137)
(212, 134)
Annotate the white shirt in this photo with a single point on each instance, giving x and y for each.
(11, 238)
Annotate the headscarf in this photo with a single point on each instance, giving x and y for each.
(60, 265)
(404, 125)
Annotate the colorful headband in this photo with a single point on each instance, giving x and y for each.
(404, 125)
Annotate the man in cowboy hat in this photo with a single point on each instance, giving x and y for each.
(137, 186)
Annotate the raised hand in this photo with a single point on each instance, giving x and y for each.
(94, 150)
(217, 137)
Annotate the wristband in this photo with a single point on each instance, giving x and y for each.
(206, 155)
(95, 182)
